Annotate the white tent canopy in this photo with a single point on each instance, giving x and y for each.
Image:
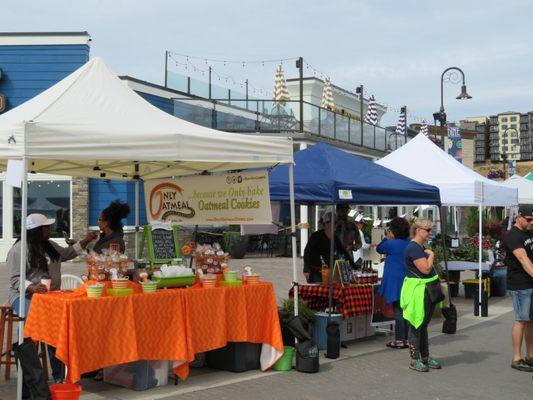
(524, 186)
(90, 123)
(422, 160)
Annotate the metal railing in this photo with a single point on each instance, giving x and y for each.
(267, 116)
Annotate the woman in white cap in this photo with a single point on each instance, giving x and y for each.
(43, 266)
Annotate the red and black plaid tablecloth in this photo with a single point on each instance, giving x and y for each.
(353, 300)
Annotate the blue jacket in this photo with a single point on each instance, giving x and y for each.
(395, 269)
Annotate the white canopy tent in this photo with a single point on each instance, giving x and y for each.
(92, 125)
(420, 159)
(524, 186)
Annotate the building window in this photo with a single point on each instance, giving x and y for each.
(51, 198)
(504, 127)
(504, 119)
(513, 119)
(513, 126)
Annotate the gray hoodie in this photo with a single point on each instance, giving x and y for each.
(33, 275)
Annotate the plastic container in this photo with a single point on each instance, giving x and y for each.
(149, 287)
(319, 333)
(230, 283)
(119, 292)
(252, 279)
(65, 391)
(285, 362)
(235, 357)
(178, 281)
(471, 286)
(94, 290)
(230, 276)
(138, 375)
(120, 283)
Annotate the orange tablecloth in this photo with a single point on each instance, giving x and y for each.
(172, 324)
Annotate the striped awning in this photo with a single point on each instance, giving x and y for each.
(371, 116)
(327, 95)
(281, 92)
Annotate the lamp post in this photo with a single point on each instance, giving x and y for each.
(441, 114)
(360, 91)
(504, 153)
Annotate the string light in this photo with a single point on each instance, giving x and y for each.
(244, 63)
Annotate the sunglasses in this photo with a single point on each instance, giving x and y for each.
(428, 230)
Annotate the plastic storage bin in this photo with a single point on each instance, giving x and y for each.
(319, 333)
(138, 375)
(471, 286)
(235, 357)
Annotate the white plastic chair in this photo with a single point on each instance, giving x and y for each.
(69, 281)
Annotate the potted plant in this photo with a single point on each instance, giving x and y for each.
(286, 311)
(235, 244)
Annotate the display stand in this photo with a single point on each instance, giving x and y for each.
(161, 243)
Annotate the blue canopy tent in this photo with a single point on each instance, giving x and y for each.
(324, 174)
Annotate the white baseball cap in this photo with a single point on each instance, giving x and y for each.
(36, 220)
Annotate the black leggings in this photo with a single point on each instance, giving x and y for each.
(418, 337)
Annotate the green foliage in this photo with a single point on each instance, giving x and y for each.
(304, 311)
(472, 220)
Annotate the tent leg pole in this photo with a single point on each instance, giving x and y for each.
(23, 257)
(480, 255)
(444, 252)
(331, 261)
(293, 237)
(137, 218)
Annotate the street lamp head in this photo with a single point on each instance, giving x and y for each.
(464, 95)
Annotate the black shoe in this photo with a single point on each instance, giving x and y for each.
(521, 365)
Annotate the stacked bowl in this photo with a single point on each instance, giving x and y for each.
(230, 276)
(252, 279)
(94, 290)
(120, 283)
(209, 281)
(149, 286)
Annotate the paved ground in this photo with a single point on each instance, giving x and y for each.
(476, 364)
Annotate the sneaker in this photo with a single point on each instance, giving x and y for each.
(419, 366)
(432, 363)
(521, 365)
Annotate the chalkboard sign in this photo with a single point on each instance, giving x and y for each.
(343, 270)
(162, 244)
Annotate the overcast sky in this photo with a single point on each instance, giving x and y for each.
(397, 49)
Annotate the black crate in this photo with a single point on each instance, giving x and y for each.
(235, 357)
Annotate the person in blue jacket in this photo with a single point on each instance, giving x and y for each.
(393, 246)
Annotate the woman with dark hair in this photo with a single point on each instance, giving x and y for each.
(43, 268)
(111, 227)
(393, 246)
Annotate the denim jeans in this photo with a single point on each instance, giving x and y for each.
(57, 366)
(401, 326)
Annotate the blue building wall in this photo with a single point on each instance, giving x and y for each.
(29, 70)
(101, 193)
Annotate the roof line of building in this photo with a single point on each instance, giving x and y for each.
(80, 33)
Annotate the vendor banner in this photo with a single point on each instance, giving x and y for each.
(455, 148)
(240, 199)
